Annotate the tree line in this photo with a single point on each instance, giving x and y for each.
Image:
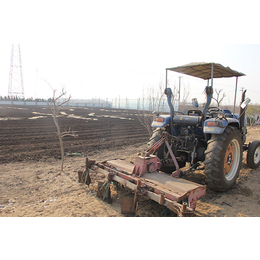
(16, 98)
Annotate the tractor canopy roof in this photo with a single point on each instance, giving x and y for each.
(203, 70)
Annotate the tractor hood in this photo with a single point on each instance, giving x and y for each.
(203, 70)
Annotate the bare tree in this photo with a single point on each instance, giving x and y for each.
(219, 97)
(185, 97)
(152, 100)
(144, 116)
(55, 105)
(155, 100)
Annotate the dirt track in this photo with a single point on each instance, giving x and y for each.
(31, 183)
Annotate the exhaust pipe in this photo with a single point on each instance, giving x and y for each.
(242, 111)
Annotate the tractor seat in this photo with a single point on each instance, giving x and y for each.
(228, 113)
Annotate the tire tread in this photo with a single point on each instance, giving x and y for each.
(213, 155)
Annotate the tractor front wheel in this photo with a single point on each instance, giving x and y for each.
(223, 159)
(253, 155)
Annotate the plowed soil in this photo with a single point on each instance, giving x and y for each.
(31, 183)
(29, 133)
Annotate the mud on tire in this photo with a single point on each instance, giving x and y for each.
(223, 159)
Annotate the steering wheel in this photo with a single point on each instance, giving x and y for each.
(214, 109)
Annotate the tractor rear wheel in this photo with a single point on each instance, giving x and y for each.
(162, 152)
(223, 159)
(156, 136)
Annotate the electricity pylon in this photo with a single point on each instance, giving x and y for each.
(15, 87)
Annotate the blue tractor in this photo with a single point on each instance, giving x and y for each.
(213, 136)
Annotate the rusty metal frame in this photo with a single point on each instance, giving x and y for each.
(165, 197)
(165, 139)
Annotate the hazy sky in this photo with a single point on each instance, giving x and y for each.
(112, 48)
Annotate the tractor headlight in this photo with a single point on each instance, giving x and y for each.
(159, 119)
(212, 123)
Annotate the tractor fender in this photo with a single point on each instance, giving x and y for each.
(161, 121)
(218, 126)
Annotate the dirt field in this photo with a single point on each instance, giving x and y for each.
(31, 183)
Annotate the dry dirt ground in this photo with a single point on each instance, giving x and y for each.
(32, 185)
